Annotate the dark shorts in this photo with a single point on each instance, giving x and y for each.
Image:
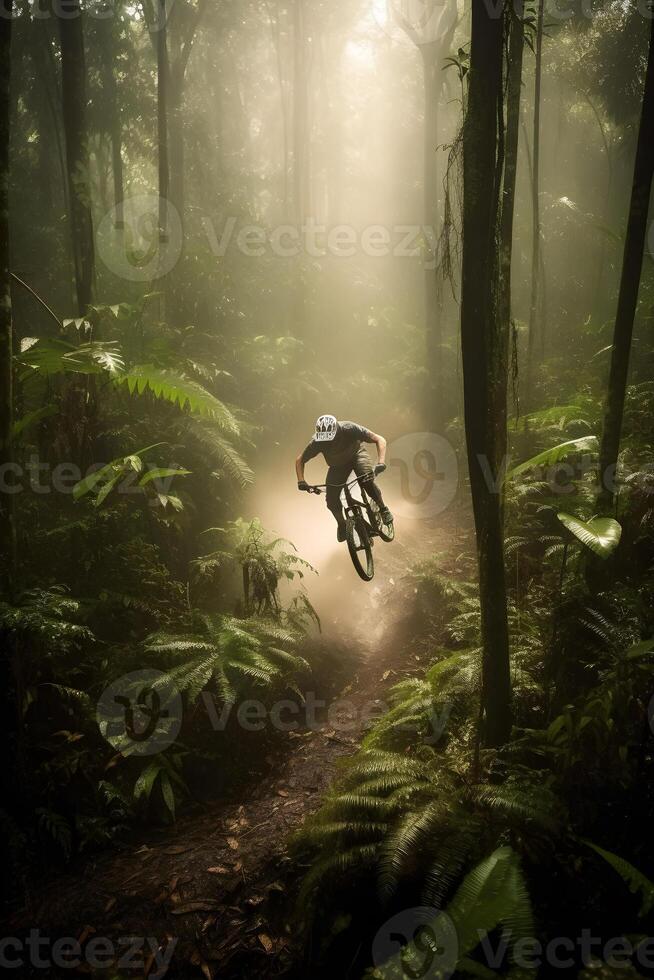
(360, 464)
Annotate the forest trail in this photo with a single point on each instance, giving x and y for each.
(219, 880)
(220, 883)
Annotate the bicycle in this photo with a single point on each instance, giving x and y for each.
(359, 531)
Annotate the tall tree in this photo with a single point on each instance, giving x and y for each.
(432, 34)
(301, 142)
(481, 344)
(163, 73)
(7, 529)
(534, 306)
(632, 264)
(109, 32)
(516, 27)
(73, 91)
(181, 37)
(301, 179)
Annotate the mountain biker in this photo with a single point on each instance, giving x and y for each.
(341, 445)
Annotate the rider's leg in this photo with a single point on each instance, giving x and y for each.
(363, 467)
(336, 476)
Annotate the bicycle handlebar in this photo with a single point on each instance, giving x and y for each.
(319, 487)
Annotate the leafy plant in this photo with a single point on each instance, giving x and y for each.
(600, 534)
(115, 474)
(228, 655)
(263, 561)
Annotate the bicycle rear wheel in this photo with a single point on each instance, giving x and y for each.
(360, 547)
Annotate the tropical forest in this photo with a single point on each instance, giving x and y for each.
(327, 489)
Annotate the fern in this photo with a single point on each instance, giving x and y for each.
(218, 451)
(179, 390)
(228, 651)
(635, 879)
(493, 894)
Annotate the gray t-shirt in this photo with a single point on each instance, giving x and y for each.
(342, 448)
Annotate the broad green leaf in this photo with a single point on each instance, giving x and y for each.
(108, 472)
(167, 792)
(104, 491)
(554, 455)
(161, 473)
(167, 498)
(145, 782)
(638, 650)
(93, 479)
(24, 423)
(600, 534)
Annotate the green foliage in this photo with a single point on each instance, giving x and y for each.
(161, 774)
(181, 391)
(493, 894)
(600, 534)
(264, 564)
(228, 655)
(103, 481)
(54, 356)
(638, 883)
(550, 457)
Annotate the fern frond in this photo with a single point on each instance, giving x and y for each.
(179, 390)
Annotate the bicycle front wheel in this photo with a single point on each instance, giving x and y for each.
(385, 531)
(360, 547)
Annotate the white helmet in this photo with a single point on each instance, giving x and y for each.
(326, 428)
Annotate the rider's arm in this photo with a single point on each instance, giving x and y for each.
(311, 450)
(380, 442)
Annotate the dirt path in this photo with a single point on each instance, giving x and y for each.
(215, 892)
(219, 883)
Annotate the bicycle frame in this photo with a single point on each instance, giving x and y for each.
(362, 524)
(353, 506)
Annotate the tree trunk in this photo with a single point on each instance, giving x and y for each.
(7, 528)
(115, 121)
(481, 347)
(300, 117)
(162, 120)
(301, 180)
(535, 190)
(632, 263)
(513, 100)
(283, 105)
(432, 76)
(176, 148)
(73, 90)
